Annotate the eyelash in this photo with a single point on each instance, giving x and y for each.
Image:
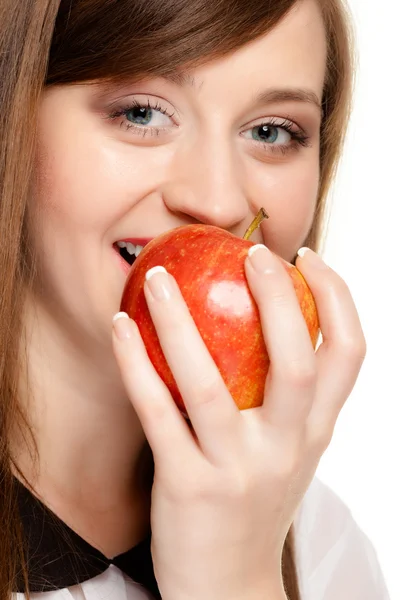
(299, 138)
(141, 130)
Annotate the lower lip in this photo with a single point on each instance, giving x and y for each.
(126, 267)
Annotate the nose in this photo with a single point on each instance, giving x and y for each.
(207, 184)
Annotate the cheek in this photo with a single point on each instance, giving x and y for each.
(80, 196)
(288, 192)
(84, 188)
(89, 181)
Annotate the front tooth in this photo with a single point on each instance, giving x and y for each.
(138, 250)
(130, 248)
(121, 244)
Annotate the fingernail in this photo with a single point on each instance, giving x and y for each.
(260, 258)
(312, 257)
(158, 283)
(122, 326)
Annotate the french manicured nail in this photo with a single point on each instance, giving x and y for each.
(312, 257)
(123, 326)
(260, 258)
(159, 284)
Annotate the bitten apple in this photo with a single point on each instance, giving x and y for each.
(208, 265)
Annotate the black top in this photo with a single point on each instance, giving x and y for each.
(57, 557)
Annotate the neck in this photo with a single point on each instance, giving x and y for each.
(89, 441)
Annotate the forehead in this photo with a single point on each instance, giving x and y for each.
(293, 53)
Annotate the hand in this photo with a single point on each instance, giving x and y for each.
(223, 499)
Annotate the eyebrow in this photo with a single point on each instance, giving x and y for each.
(182, 79)
(273, 95)
(265, 97)
(288, 95)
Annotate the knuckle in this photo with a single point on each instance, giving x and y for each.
(289, 467)
(340, 283)
(301, 375)
(206, 390)
(335, 287)
(354, 349)
(319, 433)
(156, 412)
(321, 440)
(240, 485)
(279, 298)
(290, 462)
(235, 483)
(207, 488)
(191, 487)
(337, 283)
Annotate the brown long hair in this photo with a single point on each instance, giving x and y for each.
(48, 42)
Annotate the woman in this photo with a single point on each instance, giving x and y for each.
(121, 120)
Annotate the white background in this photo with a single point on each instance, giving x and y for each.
(362, 463)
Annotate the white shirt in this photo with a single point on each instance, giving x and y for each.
(335, 560)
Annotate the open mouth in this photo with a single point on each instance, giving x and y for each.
(129, 250)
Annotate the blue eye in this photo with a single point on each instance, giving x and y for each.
(139, 115)
(265, 133)
(143, 117)
(270, 134)
(278, 136)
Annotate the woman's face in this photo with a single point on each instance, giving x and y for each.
(212, 146)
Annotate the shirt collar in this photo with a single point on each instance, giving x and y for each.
(57, 557)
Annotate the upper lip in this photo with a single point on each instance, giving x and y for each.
(136, 241)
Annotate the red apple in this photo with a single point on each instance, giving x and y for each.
(208, 265)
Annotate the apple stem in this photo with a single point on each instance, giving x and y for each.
(261, 215)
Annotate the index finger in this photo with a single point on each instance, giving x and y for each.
(210, 407)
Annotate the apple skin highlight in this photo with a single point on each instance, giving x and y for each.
(208, 265)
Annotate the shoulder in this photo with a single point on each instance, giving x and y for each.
(334, 557)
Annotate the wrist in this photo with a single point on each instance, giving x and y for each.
(268, 587)
(265, 592)
(271, 589)
(262, 591)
